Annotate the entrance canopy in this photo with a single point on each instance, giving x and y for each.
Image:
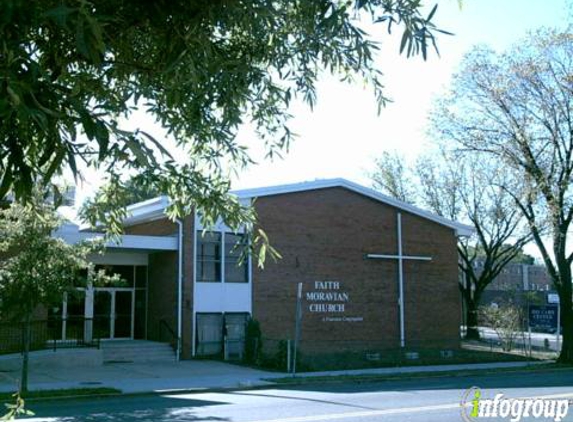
(71, 233)
(118, 311)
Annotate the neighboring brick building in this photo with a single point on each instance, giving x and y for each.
(514, 281)
(355, 251)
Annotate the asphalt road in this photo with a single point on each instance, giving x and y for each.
(431, 399)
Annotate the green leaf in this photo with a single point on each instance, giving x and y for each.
(405, 38)
(140, 154)
(433, 11)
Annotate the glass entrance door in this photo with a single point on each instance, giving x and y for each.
(113, 313)
(102, 313)
(66, 322)
(123, 314)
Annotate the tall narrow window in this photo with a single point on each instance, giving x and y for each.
(209, 257)
(236, 270)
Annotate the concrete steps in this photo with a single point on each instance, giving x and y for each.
(136, 351)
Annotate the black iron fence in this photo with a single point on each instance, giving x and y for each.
(51, 333)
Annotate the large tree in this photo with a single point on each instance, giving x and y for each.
(393, 177)
(516, 107)
(464, 189)
(36, 269)
(74, 71)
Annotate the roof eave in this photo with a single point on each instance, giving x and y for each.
(460, 229)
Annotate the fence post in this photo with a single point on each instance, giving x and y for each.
(298, 318)
(288, 356)
(23, 336)
(255, 350)
(54, 334)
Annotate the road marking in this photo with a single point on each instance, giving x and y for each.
(395, 411)
(364, 414)
(361, 414)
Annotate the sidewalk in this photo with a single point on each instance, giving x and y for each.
(193, 375)
(141, 377)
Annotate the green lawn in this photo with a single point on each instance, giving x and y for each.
(302, 379)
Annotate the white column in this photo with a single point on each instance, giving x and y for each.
(89, 310)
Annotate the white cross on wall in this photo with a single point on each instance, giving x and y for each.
(400, 258)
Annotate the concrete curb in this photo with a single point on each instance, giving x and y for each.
(308, 380)
(150, 393)
(374, 377)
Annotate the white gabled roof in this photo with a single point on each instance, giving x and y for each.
(153, 209)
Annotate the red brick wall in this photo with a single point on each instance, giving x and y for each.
(324, 235)
(162, 292)
(188, 228)
(163, 289)
(161, 227)
(433, 300)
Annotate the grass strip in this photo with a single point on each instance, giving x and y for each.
(65, 392)
(549, 367)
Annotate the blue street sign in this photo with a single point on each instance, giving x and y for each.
(543, 316)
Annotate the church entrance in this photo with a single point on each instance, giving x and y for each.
(114, 312)
(104, 312)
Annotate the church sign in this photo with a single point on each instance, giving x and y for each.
(329, 299)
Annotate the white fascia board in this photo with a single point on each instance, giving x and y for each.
(152, 209)
(157, 243)
(163, 243)
(460, 229)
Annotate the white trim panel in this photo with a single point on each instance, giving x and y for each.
(127, 241)
(149, 210)
(119, 258)
(222, 297)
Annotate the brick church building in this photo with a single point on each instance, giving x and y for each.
(375, 274)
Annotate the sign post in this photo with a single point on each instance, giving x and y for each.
(553, 298)
(529, 326)
(297, 322)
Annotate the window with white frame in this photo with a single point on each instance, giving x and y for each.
(221, 257)
(236, 268)
(209, 257)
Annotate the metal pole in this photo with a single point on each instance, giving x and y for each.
(558, 332)
(298, 318)
(401, 282)
(529, 326)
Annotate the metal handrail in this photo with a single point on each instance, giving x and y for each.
(173, 338)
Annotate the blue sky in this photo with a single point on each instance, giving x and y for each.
(344, 134)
